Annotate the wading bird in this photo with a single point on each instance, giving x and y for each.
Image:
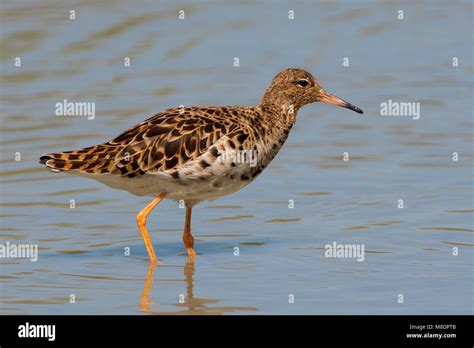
(176, 154)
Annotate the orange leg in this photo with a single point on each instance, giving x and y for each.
(187, 236)
(141, 221)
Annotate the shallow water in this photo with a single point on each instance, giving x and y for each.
(408, 251)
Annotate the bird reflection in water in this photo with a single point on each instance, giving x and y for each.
(145, 295)
(191, 305)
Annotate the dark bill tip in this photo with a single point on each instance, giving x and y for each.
(332, 99)
(353, 108)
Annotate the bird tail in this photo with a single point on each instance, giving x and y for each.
(92, 160)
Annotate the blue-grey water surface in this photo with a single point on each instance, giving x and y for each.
(410, 251)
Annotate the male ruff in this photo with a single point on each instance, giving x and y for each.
(175, 153)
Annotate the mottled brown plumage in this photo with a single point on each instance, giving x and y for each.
(162, 143)
(178, 153)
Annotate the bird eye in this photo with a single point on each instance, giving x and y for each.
(303, 83)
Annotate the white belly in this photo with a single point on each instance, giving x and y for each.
(193, 191)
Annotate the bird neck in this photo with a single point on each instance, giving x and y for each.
(277, 106)
(279, 113)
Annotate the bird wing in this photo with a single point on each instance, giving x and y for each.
(157, 145)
